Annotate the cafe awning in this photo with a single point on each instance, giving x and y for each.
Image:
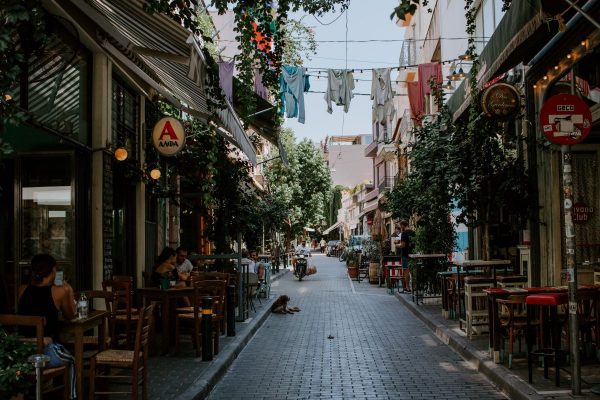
(332, 227)
(165, 56)
(521, 32)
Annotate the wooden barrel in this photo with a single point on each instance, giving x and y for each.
(373, 272)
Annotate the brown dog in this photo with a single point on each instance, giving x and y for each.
(280, 306)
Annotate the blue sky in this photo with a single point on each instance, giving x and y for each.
(366, 20)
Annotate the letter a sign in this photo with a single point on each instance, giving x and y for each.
(168, 136)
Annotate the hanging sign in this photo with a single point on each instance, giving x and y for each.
(582, 213)
(565, 119)
(500, 100)
(168, 136)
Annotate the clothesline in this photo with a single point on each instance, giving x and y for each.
(355, 79)
(355, 94)
(402, 67)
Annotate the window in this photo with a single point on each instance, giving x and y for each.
(125, 118)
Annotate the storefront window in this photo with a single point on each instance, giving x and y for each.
(125, 119)
(47, 208)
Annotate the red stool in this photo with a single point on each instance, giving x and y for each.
(548, 303)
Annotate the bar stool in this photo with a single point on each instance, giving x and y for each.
(476, 311)
(548, 302)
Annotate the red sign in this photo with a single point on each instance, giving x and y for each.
(582, 213)
(565, 119)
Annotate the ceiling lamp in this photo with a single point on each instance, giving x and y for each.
(448, 86)
(461, 73)
(465, 57)
(121, 154)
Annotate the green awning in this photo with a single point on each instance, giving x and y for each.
(521, 33)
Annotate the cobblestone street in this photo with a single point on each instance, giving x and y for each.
(379, 350)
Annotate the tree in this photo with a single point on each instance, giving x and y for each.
(425, 194)
(303, 185)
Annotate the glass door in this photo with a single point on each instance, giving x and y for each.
(45, 211)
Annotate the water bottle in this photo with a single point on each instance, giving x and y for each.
(82, 306)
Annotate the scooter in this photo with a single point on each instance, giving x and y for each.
(301, 265)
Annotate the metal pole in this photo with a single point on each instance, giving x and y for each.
(39, 361)
(571, 270)
(582, 12)
(207, 345)
(230, 310)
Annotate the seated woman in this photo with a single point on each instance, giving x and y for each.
(166, 269)
(43, 298)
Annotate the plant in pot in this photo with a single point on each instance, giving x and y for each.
(372, 250)
(351, 258)
(14, 367)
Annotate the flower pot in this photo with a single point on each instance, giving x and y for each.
(352, 271)
(373, 272)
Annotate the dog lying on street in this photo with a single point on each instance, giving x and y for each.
(280, 306)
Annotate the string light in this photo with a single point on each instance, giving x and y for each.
(535, 86)
(545, 77)
(556, 67)
(569, 56)
(155, 174)
(121, 154)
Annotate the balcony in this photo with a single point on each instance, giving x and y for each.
(371, 195)
(371, 149)
(386, 183)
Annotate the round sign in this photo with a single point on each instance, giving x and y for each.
(582, 213)
(168, 136)
(565, 119)
(500, 100)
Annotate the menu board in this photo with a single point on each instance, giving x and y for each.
(107, 217)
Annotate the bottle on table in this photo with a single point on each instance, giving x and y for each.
(82, 306)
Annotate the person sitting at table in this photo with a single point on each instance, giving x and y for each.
(184, 266)
(257, 266)
(43, 298)
(165, 268)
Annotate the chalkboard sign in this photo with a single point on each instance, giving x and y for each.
(107, 217)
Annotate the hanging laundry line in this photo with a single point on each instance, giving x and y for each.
(355, 94)
(403, 67)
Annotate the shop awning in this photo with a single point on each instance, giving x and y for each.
(165, 55)
(332, 227)
(521, 32)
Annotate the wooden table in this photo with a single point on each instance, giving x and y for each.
(77, 327)
(146, 295)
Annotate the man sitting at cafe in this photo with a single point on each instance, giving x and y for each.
(183, 265)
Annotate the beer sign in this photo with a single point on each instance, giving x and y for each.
(168, 136)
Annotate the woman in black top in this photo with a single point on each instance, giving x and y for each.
(42, 298)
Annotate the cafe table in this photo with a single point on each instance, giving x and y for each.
(165, 297)
(76, 328)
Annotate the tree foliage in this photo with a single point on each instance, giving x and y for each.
(426, 191)
(303, 185)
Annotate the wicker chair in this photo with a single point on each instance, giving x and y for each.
(48, 374)
(513, 322)
(215, 289)
(136, 360)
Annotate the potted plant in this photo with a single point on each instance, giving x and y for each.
(372, 250)
(14, 367)
(351, 258)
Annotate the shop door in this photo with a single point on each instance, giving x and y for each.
(44, 212)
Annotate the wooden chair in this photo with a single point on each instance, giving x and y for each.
(48, 374)
(513, 321)
(136, 360)
(123, 316)
(194, 318)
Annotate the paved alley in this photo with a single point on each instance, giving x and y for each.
(379, 350)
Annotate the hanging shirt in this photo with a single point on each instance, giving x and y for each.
(382, 95)
(226, 78)
(426, 72)
(340, 84)
(292, 85)
(259, 88)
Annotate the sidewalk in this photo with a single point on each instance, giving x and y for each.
(185, 376)
(511, 381)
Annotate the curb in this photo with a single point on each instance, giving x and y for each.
(207, 380)
(509, 383)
